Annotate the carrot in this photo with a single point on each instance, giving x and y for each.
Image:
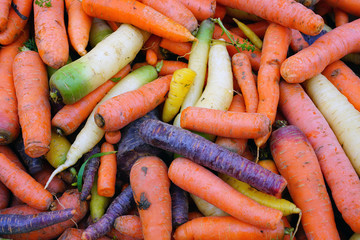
(107, 172)
(4, 196)
(9, 120)
(242, 71)
(59, 147)
(79, 24)
(113, 137)
(98, 31)
(339, 174)
(151, 188)
(132, 12)
(129, 225)
(31, 85)
(211, 188)
(322, 8)
(194, 214)
(259, 28)
(69, 118)
(249, 33)
(241, 15)
(113, 25)
(4, 13)
(341, 17)
(202, 9)
(75, 234)
(307, 188)
(154, 43)
(10, 154)
(298, 42)
(269, 164)
(119, 111)
(169, 66)
(313, 60)
(151, 57)
(50, 33)
(23, 186)
(289, 14)
(90, 170)
(212, 228)
(179, 206)
(220, 11)
(56, 186)
(349, 6)
(18, 16)
(182, 49)
(345, 80)
(276, 43)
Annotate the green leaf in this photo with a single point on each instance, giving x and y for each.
(31, 45)
(43, 3)
(82, 168)
(116, 79)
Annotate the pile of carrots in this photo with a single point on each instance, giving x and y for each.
(179, 119)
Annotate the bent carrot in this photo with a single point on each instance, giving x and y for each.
(107, 172)
(113, 137)
(32, 93)
(169, 66)
(50, 33)
(153, 43)
(151, 57)
(211, 188)
(151, 189)
(129, 225)
(349, 6)
(202, 9)
(132, 12)
(182, 49)
(4, 13)
(259, 28)
(249, 33)
(79, 24)
(313, 60)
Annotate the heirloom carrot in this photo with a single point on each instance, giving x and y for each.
(107, 172)
(129, 225)
(259, 28)
(341, 17)
(153, 43)
(249, 33)
(151, 57)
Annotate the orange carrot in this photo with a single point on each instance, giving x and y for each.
(9, 120)
(341, 17)
(113, 137)
(32, 93)
(6, 150)
(18, 17)
(181, 49)
(259, 28)
(203, 183)
(313, 59)
(254, 56)
(154, 43)
(129, 225)
(4, 13)
(75, 234)
(79, 24)
(349, 6)
(291, 152)
(115, 234)
(151, 57)
(4, 196)
(225, 123)
(107, 172)
(248, 154)
(287, 13)
(276, 43)
(242, 71)
(298, 42)
(50, 33)
(175, 10)
(169, 66)
(345, 80)
(202, 9)
(23, 186)
(113, 25)
(139, 15)
(56, 186)
(230, 228)
(119, 111)
(220, 11)
(237, 145)
(193, 215)
(322, 8)
(70, 117)
(151, 189)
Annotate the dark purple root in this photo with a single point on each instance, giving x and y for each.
(179, 205)
(311, 39)
(89, 172)
(33, 165)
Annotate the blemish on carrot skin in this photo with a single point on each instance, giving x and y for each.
(143, 204)
(144, 169)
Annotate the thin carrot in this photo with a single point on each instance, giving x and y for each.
(154, 43)
(79, 24)
(269, 164)
(287, 13)
(249, 33)
(298, 42)
(241, 15)
(23, 186)
(132, 12)
(201, 182)
(151, 189)
(220, 11)
(202, 9)
(307, 187)
(107, 172)
(120, 110)
(113, 137)
(341, 17)
(151, 57)
(349, 6)
(18, 17)
(50, 33)
(259, 28)
(169, 66)
(313, 60)
(4, 13)
(242, 71)
(129, 225)
(179, 48)
(32, 93)
(70, 117)
(276, 43)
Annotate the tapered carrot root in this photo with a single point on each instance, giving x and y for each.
(259, 28)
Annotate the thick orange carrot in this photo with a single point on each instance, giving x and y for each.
(23, 186)
(338, 171)
(291, 152)
(298, 42)
(119, 111)
(56, 186)
(230, 228)
(18, 17)
(341, 17)
(276, 43)
(242, 71)
(203, 183)
(259, 28)
(50, 33)
(151, 189)
(107, 172)
(129, 225)
(151, 57)
(4, 13)
(313, 60)
(287, 13)
(140, 15)
(225, 123)
(345, 80)
(179, 48)
(79, 24)
(349, 6)
(202, 9)
(9, 119)
(70, 117)
(113, 137)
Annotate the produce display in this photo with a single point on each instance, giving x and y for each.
(179, 119)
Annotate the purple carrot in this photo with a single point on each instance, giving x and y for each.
(211, 155)
(16, 223)
(89, 173)
(119, 206)
(33, 165)
(179, 205)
